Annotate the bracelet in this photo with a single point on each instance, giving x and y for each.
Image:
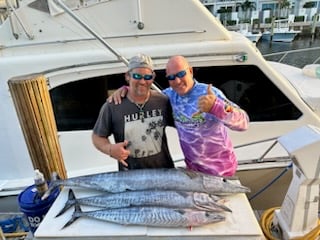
(110, 150)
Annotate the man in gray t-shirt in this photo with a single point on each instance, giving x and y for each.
(138, 123)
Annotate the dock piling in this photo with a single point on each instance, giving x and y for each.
(34, 109)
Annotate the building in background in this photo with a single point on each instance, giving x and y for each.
(232, 12)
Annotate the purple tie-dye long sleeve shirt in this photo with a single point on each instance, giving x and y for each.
(204, 139)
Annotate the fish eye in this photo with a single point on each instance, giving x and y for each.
(224, 180)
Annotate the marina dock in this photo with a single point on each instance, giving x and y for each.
(304, 27)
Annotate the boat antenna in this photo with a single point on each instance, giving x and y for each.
(96, 35)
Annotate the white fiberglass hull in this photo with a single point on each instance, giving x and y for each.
(68, 56)
(288, 36)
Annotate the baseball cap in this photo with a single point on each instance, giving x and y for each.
(140, 61)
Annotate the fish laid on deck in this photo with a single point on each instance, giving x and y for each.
(173, 199)
(160, 179)
(150, 216)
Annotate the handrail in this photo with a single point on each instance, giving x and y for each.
(285, 53)
(96, 35)
(91, 31)
(272, 145)
(10, 8)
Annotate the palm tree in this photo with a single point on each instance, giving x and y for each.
(247, 6)
(283, 8)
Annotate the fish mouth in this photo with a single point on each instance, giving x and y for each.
(224, 186)
(214, 208)
(244, 189)
(237, 187)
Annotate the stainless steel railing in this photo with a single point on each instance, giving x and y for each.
(296, 57)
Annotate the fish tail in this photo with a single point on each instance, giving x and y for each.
(55, 182)
(69, 203)
(75, 215)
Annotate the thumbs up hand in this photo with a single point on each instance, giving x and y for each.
(206, 102)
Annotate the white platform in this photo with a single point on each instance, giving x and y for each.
(240, 224)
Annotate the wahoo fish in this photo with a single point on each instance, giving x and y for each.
(150, 216)
(159, 179)
(172, 199)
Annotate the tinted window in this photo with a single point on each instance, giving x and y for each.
(249, 88)
(77, 104)
(252, 90)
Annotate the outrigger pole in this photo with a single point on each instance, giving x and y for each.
(96, 35)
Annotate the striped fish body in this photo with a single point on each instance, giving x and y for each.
(152, 216)
(160, 179)
(172, 199)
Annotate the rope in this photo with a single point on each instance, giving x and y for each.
(15, 235)
(271, 182)
(266, 226)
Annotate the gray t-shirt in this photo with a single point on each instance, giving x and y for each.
(144, 129)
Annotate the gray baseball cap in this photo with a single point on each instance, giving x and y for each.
(140, 61)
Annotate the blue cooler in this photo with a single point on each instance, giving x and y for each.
(33, 207)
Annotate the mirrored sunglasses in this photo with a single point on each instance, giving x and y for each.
(180, 74)
(138, 76)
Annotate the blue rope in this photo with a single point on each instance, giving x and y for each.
(13, 224)
(273, 181)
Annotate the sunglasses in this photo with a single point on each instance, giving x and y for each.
(180, 74)
(138, 76)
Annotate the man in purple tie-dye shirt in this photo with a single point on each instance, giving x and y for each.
(202, 115)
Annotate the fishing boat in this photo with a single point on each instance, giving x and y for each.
(281, 32)
(81, 49)
(251, 35)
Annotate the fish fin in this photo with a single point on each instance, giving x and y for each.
(69, 203)
(191, 174)
(231, 178)
(75, 216)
